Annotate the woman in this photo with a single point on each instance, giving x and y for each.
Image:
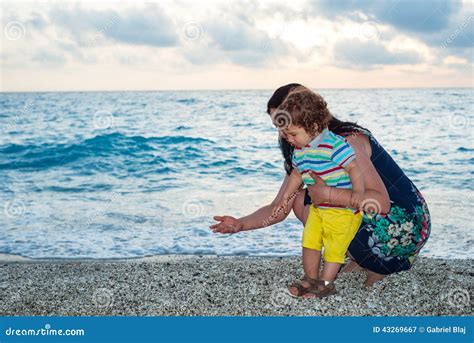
(396, 222)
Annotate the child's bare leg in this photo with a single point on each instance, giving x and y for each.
(330, 271)
(311, 263)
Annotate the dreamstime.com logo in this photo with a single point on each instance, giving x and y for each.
(46, 331)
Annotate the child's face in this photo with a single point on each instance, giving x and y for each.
(296, 136)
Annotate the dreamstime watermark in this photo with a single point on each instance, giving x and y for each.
(103, 119)
(288, 205)
(14, 208)
(14, 30)
(371, 206)
(16, 118)
(280, 296)
(192, 208)
(103, 297)
(192, 31)
(281, 119)
(452, 37)
(369, 30)
(101, 32)
(459, 298)
(46, 331)
(459, 121)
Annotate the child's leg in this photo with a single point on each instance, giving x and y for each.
(311, 262)
(339, 228)
(330, 271)
(312, 244)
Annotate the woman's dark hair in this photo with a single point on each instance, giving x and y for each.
(335, 125)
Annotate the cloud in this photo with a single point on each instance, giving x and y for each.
(460, 34)
(412, 16)
(37, 21)
(141, 26)
(229, 34)
(272, 37)
(50, 59)
(432, 22)
(236, 39)
(359, 54)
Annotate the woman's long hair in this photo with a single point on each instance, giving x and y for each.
(335, 125)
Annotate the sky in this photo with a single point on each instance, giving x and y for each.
(241, 44)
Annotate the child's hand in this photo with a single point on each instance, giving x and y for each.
(357, 197)
(226, 224)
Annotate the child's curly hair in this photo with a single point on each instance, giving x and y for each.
(305, 108)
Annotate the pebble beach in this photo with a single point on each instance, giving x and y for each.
(194, 285)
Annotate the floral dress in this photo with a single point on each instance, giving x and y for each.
(388, 243)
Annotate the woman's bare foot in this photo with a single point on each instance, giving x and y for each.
(372, 278)
(351, 267)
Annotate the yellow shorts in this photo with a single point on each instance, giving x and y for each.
(332, 228)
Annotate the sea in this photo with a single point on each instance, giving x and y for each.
(107, 175)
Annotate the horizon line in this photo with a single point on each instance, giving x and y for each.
(227, 89)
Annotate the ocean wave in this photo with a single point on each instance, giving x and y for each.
(190, 101)
(44, 156)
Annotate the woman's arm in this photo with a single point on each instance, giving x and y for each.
(258, 219)
(375, 196)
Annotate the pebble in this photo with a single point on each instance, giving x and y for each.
(225, 285)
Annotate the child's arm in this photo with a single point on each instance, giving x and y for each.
(358, 184)
(294, 183)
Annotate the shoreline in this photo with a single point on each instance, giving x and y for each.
(9, 258)
(209, 285)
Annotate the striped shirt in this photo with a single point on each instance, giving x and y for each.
(327, 155)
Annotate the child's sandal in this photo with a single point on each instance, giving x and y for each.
(301, 289)
(328, 289)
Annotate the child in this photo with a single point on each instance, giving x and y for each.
(302, 119)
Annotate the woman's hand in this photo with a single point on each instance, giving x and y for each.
(227, 224)
(319, 192)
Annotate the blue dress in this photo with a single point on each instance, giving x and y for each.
(388, 243)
